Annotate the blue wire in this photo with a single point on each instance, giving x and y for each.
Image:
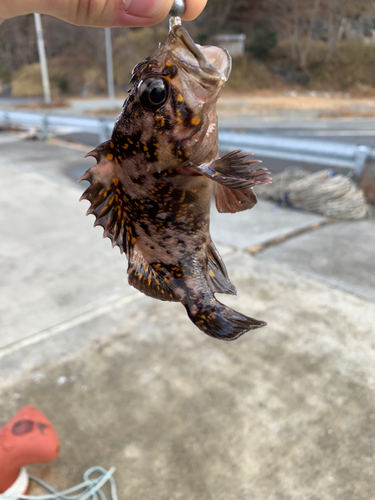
(92, 488)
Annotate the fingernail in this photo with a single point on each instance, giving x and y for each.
(142, 8)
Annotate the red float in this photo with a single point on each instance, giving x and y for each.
(27, 438)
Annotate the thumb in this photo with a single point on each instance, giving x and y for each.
(102, 13)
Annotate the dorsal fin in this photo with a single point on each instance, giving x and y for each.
(109, 201)
(217, 275)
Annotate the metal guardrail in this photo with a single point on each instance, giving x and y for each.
(320, 152)
(48, 123)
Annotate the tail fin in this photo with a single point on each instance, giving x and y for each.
(220, 321)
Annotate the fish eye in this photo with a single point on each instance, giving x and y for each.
(153, 92)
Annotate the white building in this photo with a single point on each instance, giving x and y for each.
(235, 44)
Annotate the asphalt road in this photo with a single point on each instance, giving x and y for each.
(348, 131)
(274, 165)
(288, 124)
(357, 131)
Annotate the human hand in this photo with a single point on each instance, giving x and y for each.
(104, 13)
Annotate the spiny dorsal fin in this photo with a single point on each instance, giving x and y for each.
(100, 151)
(109, 201)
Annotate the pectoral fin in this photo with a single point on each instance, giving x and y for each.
(234, 171)
(234, 177)
(233, 200)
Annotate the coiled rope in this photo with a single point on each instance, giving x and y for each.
(324, 192)
(91, 487)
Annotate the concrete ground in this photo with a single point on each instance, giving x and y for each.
(286, 412)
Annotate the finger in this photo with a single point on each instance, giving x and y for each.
(193, 9)
(102, 13)
(110, 13)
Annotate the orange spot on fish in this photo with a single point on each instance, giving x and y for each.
(110, 156)
(161, 121)
(196, 120)
(180, 98)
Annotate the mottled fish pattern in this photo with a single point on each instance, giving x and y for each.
(152, 184)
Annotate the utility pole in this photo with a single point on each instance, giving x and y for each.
(42, 59)
(108, 52)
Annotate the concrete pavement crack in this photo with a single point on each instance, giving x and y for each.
(293, 234)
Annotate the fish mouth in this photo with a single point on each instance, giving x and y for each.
(210, 65)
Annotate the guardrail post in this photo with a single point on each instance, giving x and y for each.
(361, 156)
(102, 129)
(6, 119)
(44, 127)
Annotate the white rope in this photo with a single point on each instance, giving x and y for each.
(324, 192)
(91, 488)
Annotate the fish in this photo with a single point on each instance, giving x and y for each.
(152, 184)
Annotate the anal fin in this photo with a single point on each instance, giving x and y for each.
(145, 279)
(217, 275)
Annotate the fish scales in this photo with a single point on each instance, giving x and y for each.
(152, 185)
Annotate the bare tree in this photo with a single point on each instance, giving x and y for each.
(339, 13)
(303, 20)
(18, 42)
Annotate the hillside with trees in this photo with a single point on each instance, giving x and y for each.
(313, 44)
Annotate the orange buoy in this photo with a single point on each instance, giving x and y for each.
(27, 438)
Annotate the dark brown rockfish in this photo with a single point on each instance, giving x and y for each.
(152, 185)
